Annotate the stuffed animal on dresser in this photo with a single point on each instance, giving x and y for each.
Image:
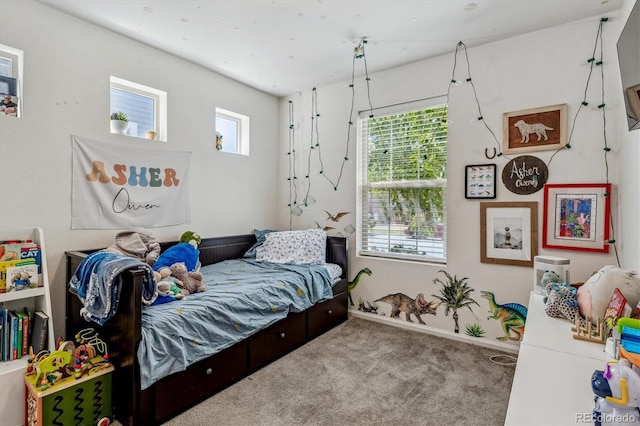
(595, 294)
(191, 280)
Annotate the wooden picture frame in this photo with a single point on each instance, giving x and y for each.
(633, 99)
(576, 217)
(537, 129)
(509, 232)
(480, 181)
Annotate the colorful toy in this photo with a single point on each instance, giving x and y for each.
(68, 360)
(617, 390)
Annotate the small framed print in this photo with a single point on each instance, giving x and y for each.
(480, 181)
(576, 217)
(536, 129)
(508, 233)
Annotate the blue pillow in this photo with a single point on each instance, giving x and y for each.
(260, 237)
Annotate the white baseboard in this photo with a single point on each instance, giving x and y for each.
(436, 332)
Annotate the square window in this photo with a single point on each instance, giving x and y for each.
(143, 107)
(232, 132)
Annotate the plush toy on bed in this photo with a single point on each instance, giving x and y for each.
(191, 280)
(185, 251)
(168, 285)
(191, 238)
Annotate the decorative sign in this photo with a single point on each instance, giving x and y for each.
(120, 186)
(525, 175)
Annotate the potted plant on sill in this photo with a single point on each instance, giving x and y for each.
(151, 134)
(119, 122)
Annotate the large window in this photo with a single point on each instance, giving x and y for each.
(403, 182)
(144, 107)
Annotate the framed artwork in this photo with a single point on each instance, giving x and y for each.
(576, 216)
(508, 232)
(480, 181)
(537, 129)
(633, 98)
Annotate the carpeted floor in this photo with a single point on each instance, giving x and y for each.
(364, 373)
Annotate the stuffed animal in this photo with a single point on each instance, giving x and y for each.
(191, 280)
(595, 294)
(560, 301)
(167, 284)
(549, 277)
(191, 238)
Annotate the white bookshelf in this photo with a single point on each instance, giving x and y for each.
(37, 299)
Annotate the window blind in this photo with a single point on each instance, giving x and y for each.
(403, 182)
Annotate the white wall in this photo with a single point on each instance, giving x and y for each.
(539, 69)
(67, 64)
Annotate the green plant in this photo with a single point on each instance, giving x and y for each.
(151, 132)
(119, 115)
(474, 330)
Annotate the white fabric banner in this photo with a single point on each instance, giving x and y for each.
(119, 186)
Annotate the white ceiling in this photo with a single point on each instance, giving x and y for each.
(287, 46)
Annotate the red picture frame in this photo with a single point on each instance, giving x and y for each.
(577, 217)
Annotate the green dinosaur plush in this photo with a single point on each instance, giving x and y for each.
(191, 238)
(549, 277)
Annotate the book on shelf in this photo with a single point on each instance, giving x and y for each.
(18, 337)
(21, 277)
(24, 344)
(617, 308)
(39, 332)
(12, 342)
(6, 334)
(3, 322)
(9, 264)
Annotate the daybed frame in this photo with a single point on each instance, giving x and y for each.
(178, 392)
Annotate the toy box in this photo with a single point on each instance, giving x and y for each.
(541, 264)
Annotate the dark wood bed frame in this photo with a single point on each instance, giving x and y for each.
(180, 391)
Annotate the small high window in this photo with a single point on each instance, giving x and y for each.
(144, 109)
(232, 132)
(10, 81)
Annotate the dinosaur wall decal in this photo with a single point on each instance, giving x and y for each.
(402, 303)
(511, 315)
(337, 216)
(352, 284)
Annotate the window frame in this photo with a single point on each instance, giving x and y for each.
(16, 56)
(243, 130)
(364, 186)
(159, 105)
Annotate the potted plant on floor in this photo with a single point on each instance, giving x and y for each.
(119, 122)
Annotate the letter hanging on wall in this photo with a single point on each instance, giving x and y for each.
(145, 187)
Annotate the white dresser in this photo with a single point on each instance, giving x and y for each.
(552, 382)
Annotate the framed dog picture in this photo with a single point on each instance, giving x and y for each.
(538, 129)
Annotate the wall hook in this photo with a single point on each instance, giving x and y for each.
(486, 154)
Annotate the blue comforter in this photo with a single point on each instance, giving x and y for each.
(242, 297)
(98, 282)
